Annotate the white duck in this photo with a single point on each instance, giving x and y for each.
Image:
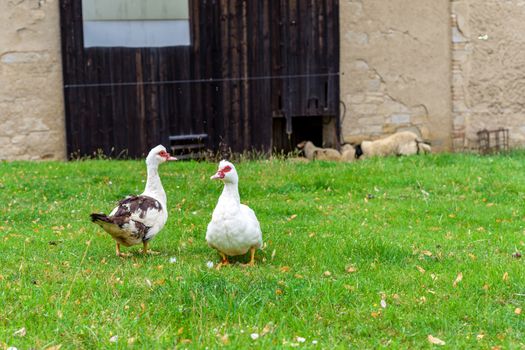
(137, 219)
(234, 228)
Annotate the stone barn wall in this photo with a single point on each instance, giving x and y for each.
(31, 97)
(488, 69)
(444, 68)
(395, 61)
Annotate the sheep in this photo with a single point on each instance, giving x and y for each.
(401, 143)
(311, 152)
(348, 153)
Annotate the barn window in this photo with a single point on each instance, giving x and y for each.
(135, 23)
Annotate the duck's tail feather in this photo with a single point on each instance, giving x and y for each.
(112, 225)
(99, 218)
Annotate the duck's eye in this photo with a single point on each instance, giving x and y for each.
(226, 169)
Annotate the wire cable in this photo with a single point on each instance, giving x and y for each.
(194, 81)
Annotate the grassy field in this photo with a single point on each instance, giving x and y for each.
(383, 252)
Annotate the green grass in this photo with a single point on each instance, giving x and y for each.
(408, 225)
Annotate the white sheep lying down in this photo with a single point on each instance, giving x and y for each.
(311, 152)
(347, 153)
(401, 143)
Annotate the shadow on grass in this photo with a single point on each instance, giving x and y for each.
(378, 251)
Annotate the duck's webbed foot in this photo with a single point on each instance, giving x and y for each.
(252, 258)
(119, 253)
(224, 261)
(146, 251)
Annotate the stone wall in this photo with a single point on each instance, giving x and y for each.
(31, 98)
(488, 69)
(395, 61)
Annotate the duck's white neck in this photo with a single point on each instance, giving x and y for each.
(230, 196)
(154, 187)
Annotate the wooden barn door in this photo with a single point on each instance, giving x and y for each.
(306, 54)
(250, 64)
(280, 65)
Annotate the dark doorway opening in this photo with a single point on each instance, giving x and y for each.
(320, 130)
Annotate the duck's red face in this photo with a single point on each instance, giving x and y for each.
(221, 173)
(166, 156)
